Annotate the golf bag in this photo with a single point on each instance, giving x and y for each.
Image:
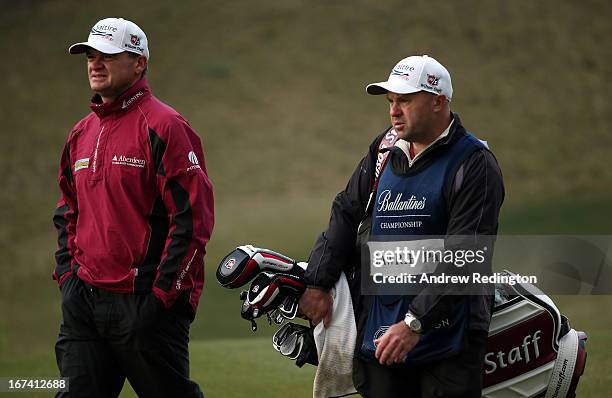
(532, 351)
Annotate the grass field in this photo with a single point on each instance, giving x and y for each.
(228, 368)
(276, 91)
(246, 367)
(231, 361)
(251, 368)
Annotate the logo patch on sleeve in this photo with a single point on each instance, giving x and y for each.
(194, 161)
(81, 164)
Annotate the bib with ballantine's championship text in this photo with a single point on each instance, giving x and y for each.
(414, 203)
(407, 206)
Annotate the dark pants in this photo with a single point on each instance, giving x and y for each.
(107, 337)
(459, 376)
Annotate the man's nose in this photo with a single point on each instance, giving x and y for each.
(394, 109)
(95, 62)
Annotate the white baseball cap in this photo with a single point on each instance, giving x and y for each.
(114, 36)
(414, 74)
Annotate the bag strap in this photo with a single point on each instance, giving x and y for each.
(389, 139)
(382, 156)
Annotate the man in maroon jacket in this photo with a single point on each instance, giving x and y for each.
(133, 220)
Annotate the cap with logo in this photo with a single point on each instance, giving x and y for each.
(113, 36)
(414, 74)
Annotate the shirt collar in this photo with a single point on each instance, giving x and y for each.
(405, 145)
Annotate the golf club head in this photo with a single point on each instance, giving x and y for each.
(296, 342)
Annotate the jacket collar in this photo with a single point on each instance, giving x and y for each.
(405, 146)
(124, 102)
(400, 160)
(455, 131)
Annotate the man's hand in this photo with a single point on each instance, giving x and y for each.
(395, 344)
(317, 305)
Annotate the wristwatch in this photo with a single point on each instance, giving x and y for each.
(413, 323)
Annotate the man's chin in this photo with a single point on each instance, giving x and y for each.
(400, 129)
(98, 87)
(402, 133)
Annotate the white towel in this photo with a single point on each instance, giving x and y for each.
(336, 346)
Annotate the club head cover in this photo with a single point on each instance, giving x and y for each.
(268, 291)
(246, 262)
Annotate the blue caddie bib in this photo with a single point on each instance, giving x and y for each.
(409, 206)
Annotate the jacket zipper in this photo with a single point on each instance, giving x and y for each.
(95, 157)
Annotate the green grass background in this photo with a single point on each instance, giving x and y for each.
(276, 91)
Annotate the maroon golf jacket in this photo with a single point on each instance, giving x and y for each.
(136, 206)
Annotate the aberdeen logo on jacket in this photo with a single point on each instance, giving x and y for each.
(128, 161)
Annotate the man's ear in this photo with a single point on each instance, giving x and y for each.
(439, 103)
(141, 64)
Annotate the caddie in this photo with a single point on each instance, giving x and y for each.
(133, 219)
(432, 159)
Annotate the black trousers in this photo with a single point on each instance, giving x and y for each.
(459, 376)
(107, 337)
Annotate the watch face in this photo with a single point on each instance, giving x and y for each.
(413, 323)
